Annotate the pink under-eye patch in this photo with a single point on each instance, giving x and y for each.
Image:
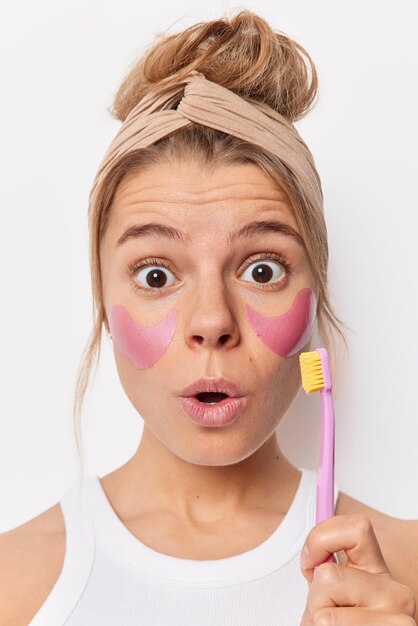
(288, 333)
(142, 345)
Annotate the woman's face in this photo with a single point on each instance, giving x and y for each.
(203, 302)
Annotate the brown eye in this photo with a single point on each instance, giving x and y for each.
(154, 277)
(263, 271)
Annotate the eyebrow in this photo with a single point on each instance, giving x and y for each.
(248, 230)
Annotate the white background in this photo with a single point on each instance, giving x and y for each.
(61, 63)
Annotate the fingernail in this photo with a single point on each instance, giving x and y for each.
(304, 558)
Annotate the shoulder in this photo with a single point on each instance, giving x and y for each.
(397, 538)
(31, 557)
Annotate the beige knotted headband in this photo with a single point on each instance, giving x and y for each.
(210, 104)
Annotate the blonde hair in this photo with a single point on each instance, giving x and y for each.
(243, 54)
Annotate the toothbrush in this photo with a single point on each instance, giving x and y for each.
(316, 376)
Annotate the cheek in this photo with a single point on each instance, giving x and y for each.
(142, 345)
(286, 334)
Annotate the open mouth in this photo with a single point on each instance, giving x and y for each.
(210, 397)
(213, 408)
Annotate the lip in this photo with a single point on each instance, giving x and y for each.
(216, 385)
(220, 414)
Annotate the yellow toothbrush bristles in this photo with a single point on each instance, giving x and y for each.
(311, 371)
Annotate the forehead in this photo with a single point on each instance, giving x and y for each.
(192, 195)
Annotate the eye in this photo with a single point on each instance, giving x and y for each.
(264, 270)
(152, 276)
(268, 270)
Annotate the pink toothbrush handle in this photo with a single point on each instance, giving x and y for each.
(325, 477)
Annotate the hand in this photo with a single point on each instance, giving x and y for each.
(363, 586)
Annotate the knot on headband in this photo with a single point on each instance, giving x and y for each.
(204, 102)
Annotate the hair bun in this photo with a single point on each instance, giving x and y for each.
(242, 53)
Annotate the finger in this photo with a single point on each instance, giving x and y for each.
(349, 616)
(352, 533)
(338, 585)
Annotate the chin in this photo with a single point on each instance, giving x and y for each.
(218, 448)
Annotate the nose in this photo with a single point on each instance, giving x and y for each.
(211, 320)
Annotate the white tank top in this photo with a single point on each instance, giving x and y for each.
(109, 577)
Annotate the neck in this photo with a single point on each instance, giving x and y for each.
(155, 479)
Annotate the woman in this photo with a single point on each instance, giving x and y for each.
(209, 266)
